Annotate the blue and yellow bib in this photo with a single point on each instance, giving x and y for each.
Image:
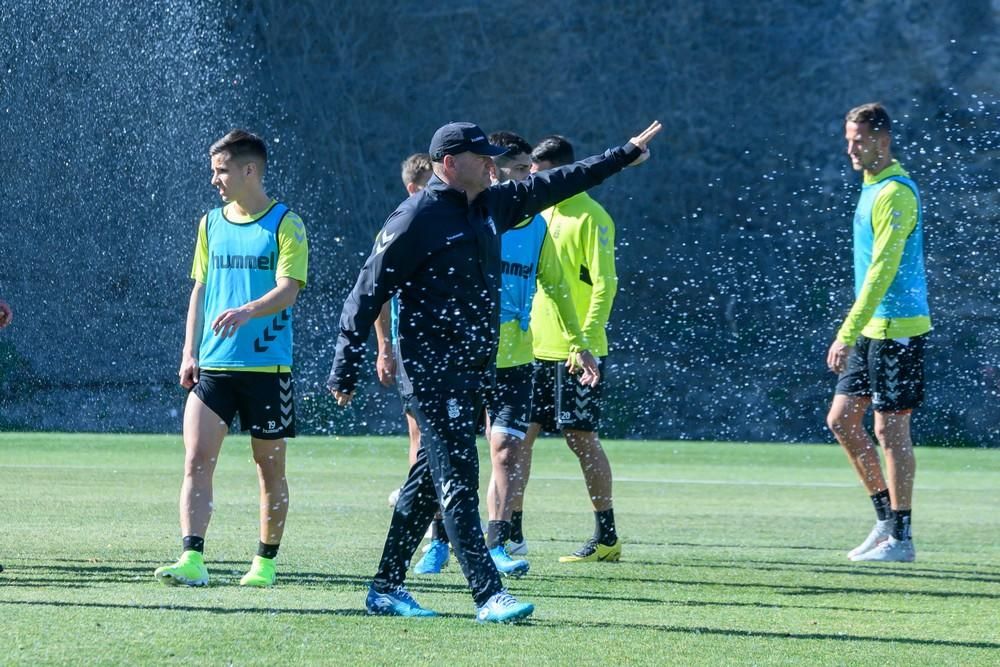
(242, 266)
(907, 295)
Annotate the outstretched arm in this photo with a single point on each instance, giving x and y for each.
(513, 201)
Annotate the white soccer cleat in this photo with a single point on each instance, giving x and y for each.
(517, 548)
(890, 551)
(880, 533)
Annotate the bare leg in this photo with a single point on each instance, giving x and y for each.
(893, 432)
(505, 478)
(845, 420)
(594, 464)
(414, 431)
(270, 458)
(203, 435)
(524, 463)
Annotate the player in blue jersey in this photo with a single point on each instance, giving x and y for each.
(878, 353)
(250, 262)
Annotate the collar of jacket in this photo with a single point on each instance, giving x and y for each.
(442, 189)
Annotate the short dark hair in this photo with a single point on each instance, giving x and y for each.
(873, 115)
(415, 168)
(241, 145)
(555, 149)
(513, 142)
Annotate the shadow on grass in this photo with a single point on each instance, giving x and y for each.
(809, 636)
(88, 575)
(193, 608)
(786, 589)
(590, 597)
(880, 570)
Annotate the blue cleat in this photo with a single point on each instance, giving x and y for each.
(435, 558)
(507, 565)
(503, 607)
(398, 602)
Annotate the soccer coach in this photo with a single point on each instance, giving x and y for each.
(440, 252)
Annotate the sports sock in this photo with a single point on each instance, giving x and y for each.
(267, 550)
(437, 530)
(883, 506)
(193, 543)
(516, 531)
(605, 527)
(497, 532)
(901, 525)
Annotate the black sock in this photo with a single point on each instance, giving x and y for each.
(437, 530)
(605, 527)
(901, 526)
(267, 550)
(497, 532)
(193, 543)
(883, 506)
(516, 531)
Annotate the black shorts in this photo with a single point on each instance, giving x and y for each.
(890, 371)
(263, 400)
(509, 404)
(560, 402)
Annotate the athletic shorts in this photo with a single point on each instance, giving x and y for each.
(890, 371)
(510, 401)
(560, 402)
(263, 400)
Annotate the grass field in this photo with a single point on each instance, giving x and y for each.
(734, 554)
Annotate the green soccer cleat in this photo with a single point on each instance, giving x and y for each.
(261, 574)
(593, 551)
(189, 570)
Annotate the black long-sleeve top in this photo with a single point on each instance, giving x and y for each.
(441, 254)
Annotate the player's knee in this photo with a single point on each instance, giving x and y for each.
(839, 423)
(198, 463)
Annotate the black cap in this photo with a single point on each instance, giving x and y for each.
(455, 138)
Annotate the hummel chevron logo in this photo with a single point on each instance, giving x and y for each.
(285, 421)
(300, 235)
(285, 383)
(582, 414)
(582, 402)
(285, 397)
(381, 245)
(286, 408)
(277, 324)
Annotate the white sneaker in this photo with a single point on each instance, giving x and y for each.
(890, 551)
(394, 496)
(517, 548)
(880, 533)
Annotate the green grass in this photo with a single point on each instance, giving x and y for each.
(734, 554)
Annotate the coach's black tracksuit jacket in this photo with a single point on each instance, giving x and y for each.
(441, 253)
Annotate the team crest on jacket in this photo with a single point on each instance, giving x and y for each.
(452, 408)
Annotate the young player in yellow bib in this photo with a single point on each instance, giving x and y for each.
(583, 235)
(250, 262)
(878, 352)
